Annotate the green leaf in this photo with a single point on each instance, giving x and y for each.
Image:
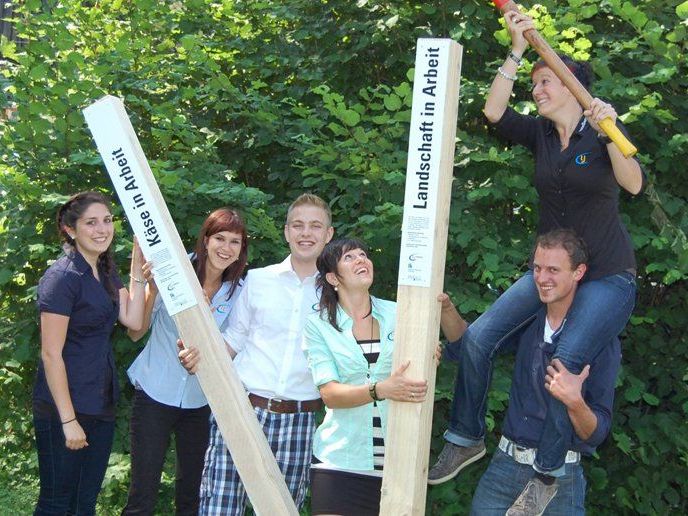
(488, 243)
(392, 102)
(682, 10)
(650, 399)
(350, 117)
(635, 391)
(598, 478)
(5, 276)
(623, 442)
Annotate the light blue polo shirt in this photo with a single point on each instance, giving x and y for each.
(345, 438)
(157, 369)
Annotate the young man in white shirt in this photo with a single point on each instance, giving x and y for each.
(264, 335)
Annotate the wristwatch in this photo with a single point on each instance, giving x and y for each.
(373, 392)
(602, 137)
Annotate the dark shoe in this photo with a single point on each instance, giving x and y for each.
(534, 498)
(453, 459)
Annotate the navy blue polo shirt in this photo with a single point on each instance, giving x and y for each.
(69, 288)
(576, 188)
(527, 409)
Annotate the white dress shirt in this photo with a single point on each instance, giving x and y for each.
(265, 328)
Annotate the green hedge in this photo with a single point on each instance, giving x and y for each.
(249, 103)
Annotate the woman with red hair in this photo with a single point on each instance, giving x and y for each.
(169, 400)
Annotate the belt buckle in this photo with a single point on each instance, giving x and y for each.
(523, 454)
(270, 400)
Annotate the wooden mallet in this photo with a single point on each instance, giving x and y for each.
(554, 62)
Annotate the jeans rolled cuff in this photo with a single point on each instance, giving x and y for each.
(459, 440)
(558, 472)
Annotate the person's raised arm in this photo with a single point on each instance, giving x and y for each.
(53, 336)
(151, 295)
(503, 83)
(627, 171)
(131, 302)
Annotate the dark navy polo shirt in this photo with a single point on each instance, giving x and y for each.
(576, 188)
(69, 288)
(527, 409)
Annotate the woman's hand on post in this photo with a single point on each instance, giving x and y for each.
(75, 438)
(188, 357)
(444, 300)
(400, 388)
(149, 276)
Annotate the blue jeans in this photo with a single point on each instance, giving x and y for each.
(599, 313)
(71, 479)
(505, 478)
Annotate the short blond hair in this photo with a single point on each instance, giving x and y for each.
(309, 199)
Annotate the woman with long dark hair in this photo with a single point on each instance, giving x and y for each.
(578, 175)
(349, 346)
(168, 400)
(80, 298)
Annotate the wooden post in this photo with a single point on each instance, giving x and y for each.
(427, 200)
(177, 283)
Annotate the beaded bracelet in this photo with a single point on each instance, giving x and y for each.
(508, 77)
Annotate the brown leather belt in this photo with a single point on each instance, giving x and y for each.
(284, 406)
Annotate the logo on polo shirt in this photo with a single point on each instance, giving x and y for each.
(223, 308)
(582, 159)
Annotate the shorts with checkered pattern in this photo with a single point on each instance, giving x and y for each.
(291, 439)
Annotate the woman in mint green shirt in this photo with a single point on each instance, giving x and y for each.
(349, 345)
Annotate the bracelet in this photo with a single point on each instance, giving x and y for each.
(515, 58)
(372, 390)
(139, 280)
(508, 77)
(65, 422)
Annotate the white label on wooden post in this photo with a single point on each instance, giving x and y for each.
(421, 269)
(423, 165)
(144, 216)
(183, 297)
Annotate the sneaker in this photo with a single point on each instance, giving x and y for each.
(534, 498)
(453, 459)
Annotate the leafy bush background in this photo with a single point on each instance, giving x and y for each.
(249, 103)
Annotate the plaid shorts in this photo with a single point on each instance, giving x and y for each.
(291, 439)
